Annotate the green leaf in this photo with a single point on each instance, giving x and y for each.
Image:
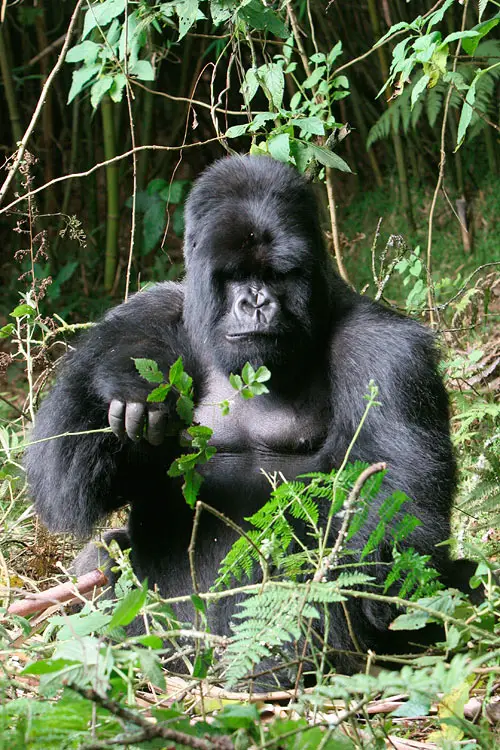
(150, 665)
(263, 19)
(260, 120)
(191, 487)
(21, 310)
(400, 26)
(101, 14)
(247, 373)
(341, 82)
(148, 369)
(150, 641)
(460, 35)
(185, 408)
(263, 374)
(301, 153)
(272, 80)
(258, 389)
(236, 130)
(175, 371)
(173, 192)
(84, 52)
(153, 225)
(202, 664)
(334, 53)
(188, 13)
(410, 621)
(314, 78)
(250, 85)
(143, 70)
(199, 604)
(7, 330)
(100, 89)
(46, 666)
(159, 394)
(470, 45)
(328, 158)
(80, 78)
(238, 716)
(438, 15)
(236, 382)
(129, 607)
(200, 433)
(309, 125)
(279, 147)
(466, 114)
(295, 101)
(219, 11)
(417, 705)
(419, 88)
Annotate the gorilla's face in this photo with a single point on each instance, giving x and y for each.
(256, 267)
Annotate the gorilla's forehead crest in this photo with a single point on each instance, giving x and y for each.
(259, 199)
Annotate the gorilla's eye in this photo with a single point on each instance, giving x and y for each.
(249, 240)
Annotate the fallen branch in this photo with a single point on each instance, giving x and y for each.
(60, 594)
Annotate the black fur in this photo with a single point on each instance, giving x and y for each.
(258, 287)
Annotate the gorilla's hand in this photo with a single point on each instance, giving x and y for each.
(138, 420)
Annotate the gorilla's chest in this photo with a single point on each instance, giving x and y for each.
(269, 432)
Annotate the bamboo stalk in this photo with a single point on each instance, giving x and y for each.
(396, 138)
(8, 84)
(113, 194)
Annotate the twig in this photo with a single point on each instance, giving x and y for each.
(46, 51)
(241, 532)
(60, 594)
(349, 509)
(100, 165)
(22, 446)
(36, 114)
(150, 730)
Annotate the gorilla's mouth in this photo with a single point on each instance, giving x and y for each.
(242, 335)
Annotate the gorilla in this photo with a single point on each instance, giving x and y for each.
(259, 287)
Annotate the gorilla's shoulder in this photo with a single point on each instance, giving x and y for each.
(161, 302)
(372, 333)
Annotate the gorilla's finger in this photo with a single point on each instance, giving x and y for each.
(116, 418)
(135, 419)
(155, 432)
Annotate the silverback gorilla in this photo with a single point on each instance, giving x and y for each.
(259, 287)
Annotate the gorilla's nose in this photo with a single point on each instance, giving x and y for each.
(257, 304)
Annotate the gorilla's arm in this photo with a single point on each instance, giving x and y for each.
(409, 430)
(76, 480)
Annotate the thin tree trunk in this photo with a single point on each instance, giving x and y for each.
(47, 120)
(10, 94)
(113, 194)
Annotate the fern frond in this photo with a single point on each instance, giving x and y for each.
(269, 620)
